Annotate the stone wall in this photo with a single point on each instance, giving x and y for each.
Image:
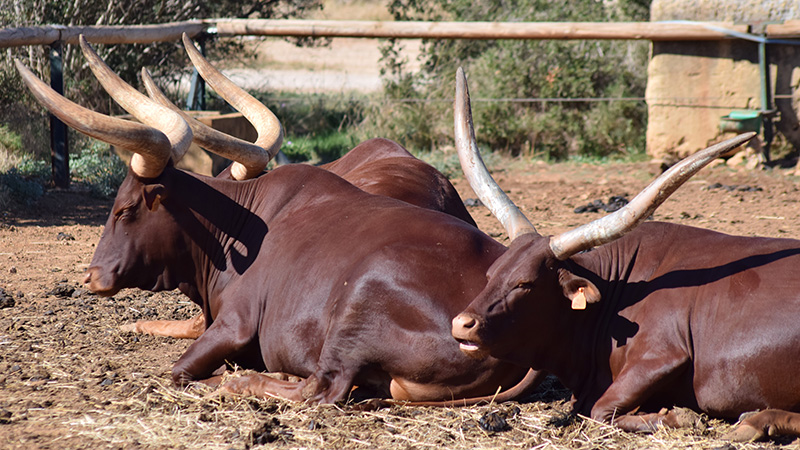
(692, 84)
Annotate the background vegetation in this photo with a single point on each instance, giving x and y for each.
(517, 69)
(24, 129)
(414, 108)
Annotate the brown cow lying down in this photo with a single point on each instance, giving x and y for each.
(378, 166)
(666, 315)
(298, 271)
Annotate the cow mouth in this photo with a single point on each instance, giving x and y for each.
(468, 346)
(105, 293)
(472, 349)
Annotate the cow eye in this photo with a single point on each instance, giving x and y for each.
(123, 214)
(524, 285)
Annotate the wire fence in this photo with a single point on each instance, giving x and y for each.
(656, 101)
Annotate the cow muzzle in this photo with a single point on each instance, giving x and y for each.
(465, 331)
(95, 282)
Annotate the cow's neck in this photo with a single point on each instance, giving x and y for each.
(600, 328)
(223, 234)
(227, 221)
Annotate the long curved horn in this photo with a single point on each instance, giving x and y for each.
(151, 146)
(475, 170)
(215, 141)
(615, 225)
(270, 132)
(139, 105)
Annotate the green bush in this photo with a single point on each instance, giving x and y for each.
(17, 189)
(10, 142)
(99, 168)
(318, 128)
(522, 69)
(23, 184)
(166, 60)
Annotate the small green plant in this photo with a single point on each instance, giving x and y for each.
(10, 142)
(23, 184)
(99, 168)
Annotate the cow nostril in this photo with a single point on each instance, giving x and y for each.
(465, 322)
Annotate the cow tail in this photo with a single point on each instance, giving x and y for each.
(529, 382)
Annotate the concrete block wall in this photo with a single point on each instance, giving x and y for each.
(692, 84)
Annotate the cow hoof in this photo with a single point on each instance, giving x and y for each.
(129, 327)
(745, 433)
(372, 404)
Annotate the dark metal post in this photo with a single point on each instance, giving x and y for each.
(59, 142)
(197, 90)
(766, 103)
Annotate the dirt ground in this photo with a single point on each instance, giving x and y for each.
(69, 378)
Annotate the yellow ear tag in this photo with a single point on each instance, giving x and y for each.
(579, 299)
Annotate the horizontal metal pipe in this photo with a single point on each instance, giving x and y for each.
(130, 34)
(655, 31)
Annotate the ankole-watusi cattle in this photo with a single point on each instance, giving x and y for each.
(665, 315)
(378, 166)
(298, 271)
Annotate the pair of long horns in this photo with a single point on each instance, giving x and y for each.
(164, 132)
(251, 158)
(598, 232)
(161, 134)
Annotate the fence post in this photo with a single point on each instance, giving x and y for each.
(766, 103)
(197, 90)
(59, 141)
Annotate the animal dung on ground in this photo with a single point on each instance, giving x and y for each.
(6, 301)
(614, 203)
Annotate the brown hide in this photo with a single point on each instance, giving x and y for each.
(378, 166)
(685, 317)
(303, 273)
(383, 167)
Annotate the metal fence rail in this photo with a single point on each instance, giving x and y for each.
(653, 31)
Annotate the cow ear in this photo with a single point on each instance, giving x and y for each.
(153, 195)
(578, 290)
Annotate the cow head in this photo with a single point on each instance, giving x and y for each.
(142, 238)
(526, 289)
(531, 290)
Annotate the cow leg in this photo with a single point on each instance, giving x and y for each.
(633, 386)
(262, 385)
(314, 389)
(227, 337)
(768, 423)
(179, 329)
(673, 418)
